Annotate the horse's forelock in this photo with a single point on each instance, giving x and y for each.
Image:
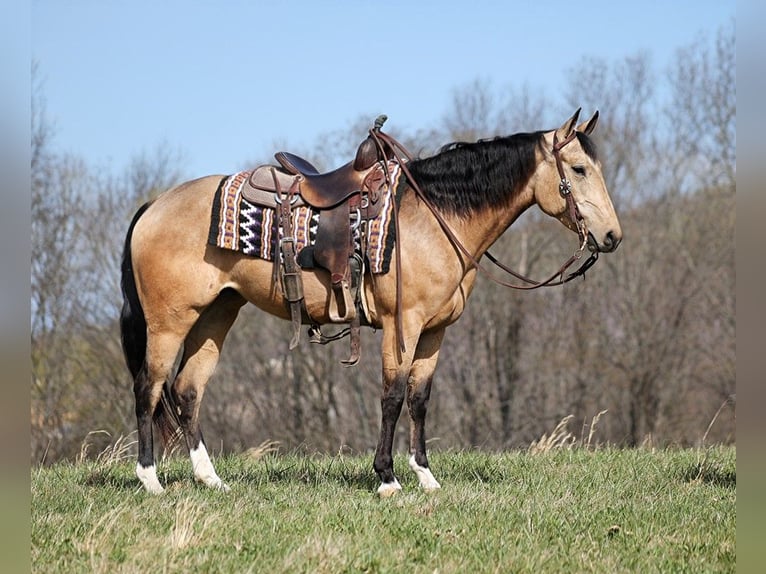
(588, 145)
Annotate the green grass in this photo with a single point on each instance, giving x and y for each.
(566, 510)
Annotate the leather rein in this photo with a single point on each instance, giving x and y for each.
(565, 189)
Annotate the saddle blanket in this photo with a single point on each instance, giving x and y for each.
(238, 225)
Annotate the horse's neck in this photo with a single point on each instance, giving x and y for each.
(479, 231)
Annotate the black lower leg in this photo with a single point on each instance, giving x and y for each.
(391, 406)
(417, 404)
(144, 411)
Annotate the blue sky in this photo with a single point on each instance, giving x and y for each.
(222, 81)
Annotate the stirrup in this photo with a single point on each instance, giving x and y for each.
(317, 337)
(356, 344)
(353, 331)
(342, 302)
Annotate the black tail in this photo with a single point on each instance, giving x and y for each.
(132, 320)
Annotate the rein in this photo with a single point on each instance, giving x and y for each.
(565, 188)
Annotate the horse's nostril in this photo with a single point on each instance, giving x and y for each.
(610, 241)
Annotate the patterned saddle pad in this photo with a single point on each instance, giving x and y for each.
(238, 225)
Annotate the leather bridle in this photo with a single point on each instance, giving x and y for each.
(384, 140)
(565, 186)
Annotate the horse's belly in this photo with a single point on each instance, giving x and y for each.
(253, 279)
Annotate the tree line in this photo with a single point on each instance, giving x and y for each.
(648, 336)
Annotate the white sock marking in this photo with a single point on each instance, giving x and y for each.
(387, 489)
(148, 477)
(203, 468)
(426, 479)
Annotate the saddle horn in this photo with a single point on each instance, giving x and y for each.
(367, 154)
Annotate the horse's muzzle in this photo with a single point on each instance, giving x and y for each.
(609, 243)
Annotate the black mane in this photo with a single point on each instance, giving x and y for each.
(464, 177)
(467, 177)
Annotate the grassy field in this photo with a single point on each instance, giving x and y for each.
(565, 510)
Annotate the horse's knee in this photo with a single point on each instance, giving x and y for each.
(393, 398)
(418, 396)
(392, 404)
(186, 402)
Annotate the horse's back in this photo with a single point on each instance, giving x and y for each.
(191, 199)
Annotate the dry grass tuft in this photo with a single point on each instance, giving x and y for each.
(559, 438)
(319, 554)
(731, 400)
(266, 447)
(592, 430)
(98, 542)
(119, 450)
(188, 525)
(562, 438)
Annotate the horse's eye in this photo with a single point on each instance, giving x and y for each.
(579, 169)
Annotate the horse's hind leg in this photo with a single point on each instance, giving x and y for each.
(161, 353)
(201, 352)
(418, 394)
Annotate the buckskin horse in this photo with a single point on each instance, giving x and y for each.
(182, 294)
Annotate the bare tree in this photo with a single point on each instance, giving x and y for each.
(702, 111)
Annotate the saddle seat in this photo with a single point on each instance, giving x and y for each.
(326, 190)
(321, 191)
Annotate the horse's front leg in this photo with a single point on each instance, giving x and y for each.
(391, 401)
(396, 368)
(418, 394)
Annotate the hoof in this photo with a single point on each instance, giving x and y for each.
(215, 483)
(148, 477)
(426, 479)
(156, 490)
(389, 489)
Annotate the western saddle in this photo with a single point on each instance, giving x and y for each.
(345, 198)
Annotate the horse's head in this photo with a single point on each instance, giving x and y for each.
(571, 166)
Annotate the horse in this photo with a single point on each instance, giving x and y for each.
(181, 295)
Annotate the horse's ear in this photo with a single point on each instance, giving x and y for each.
(566, 128)
(588, 127)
